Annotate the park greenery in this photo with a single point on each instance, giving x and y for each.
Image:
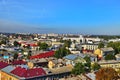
(43, 46)
(101, 45)
(78, 69)
(110, 57)
(87, 64)
(15, 56)
(16, 44)
(115, 46)
(67, 43)
(95, 66)
(61, 52)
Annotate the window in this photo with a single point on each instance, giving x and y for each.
(10, 78)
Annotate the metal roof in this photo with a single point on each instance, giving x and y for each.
(71, 57)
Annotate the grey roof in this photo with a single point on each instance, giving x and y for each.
(91, 76)
(71, 57)
(8, 69)
(23, 66)
(81, 55)
(117, 55)
(107, 49)
(108, 62)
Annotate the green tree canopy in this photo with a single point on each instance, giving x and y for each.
(16, 44)
(78, 69)
(95, 66)
(87, 64)
(110, 57)
(101, 45)
(115, 46)
(67, 43)
(29, 54)
(3, 42)
(43, 46)
(87, 59)
(15, 56)
(61, 52)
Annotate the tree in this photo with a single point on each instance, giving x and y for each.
(43, 46)
(39, 43)
(15, 56)
(115, 46)
(110, 57)
(29, 54)
(28, 46)
(67, 43)
(106, 74)
(87, 64)
(3, 42)
(61, 52)
(16, 44)
(78, 69)
(95, 66)
(74, 41)
(87, 59)
(101, 45)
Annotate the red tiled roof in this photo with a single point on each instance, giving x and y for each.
(33, 45)
(3, 65)
(43, 55)
(87, 50)
(22, 42)
(18, 62)
(28, 73)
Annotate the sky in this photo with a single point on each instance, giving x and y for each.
(60, 16)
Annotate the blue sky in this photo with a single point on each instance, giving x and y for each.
(60, 16)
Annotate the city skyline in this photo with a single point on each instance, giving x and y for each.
(69, 16)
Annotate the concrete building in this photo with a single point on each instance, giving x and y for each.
(79, 39)
(90, 46)
(110, 63)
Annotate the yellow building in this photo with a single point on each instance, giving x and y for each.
(7, 76)
(104, 51)
(52, 63)
(98, 52)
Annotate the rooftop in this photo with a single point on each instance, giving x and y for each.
(18, 62)
(71, 57)
(3, 65)
(28, 73)
(62, 69)
(107, 49)
(43, 55)
(108, 62)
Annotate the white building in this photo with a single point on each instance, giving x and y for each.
(79, 39)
